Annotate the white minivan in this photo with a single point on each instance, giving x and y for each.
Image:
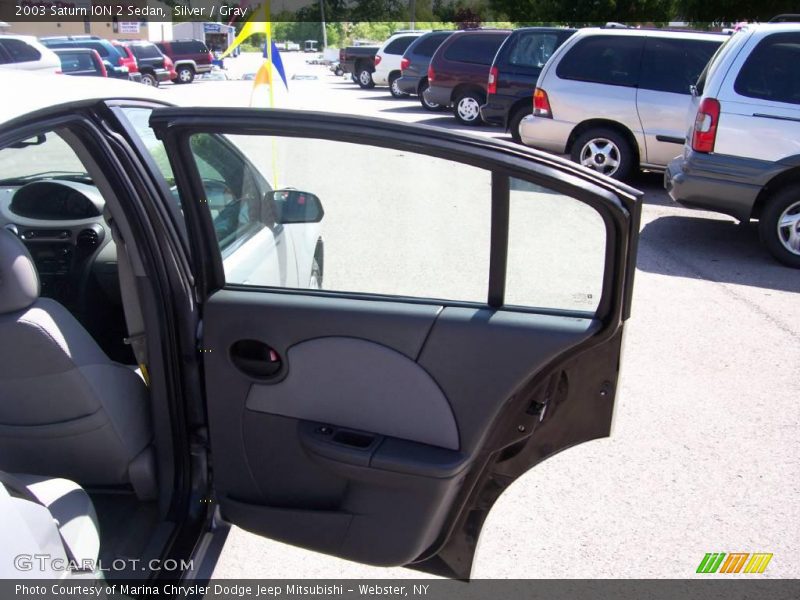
(387, 60)
(742, 152)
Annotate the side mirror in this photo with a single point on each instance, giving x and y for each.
(295, 206)
(37, 140)
(693, 91)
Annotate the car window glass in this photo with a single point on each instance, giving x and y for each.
(77, 61)
(613, 60)
(139, 118)
(544, 228)
(429, 44)
(772, 71)
(50, 157)
(399, 45)
(532, 49)
(19, 51)
(4, 57)
(674, 65)
(146, 51)
(424, 231)
(477, 49)
(101, 49)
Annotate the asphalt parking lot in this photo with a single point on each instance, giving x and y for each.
(704, 455)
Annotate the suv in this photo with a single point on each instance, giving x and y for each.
(191, 57)
(388, 58)
(616, 99)
(459, 69)
(24, 52)
(514, 72)
(113, 59)
(152, 64)
(741, 156)
(414, 66)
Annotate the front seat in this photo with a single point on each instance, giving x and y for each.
(66, 409)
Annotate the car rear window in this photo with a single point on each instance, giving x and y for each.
(76, 61)
(399, 45)
(19, 51)
(146, 51)
(772, 71)
(612, 60)
(428, 44)
(532, 49)
(672, 65)
(191, 47)
(476, 49)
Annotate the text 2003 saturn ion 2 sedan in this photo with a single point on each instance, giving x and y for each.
(180, 351)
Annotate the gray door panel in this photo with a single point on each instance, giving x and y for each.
(375, 480)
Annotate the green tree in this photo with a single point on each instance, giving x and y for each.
(585, 12)
(729, 11)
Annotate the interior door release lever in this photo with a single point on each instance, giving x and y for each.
(256, 359)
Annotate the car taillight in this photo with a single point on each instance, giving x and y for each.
(705, 125)
(491, 87)
(210, 57)
(541, 104)
(404, 64)
(431, 74)
(103, 71)
(377, 59)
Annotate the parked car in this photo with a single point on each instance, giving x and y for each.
(115, 61)
(26, 53)
(359, 62)
(513, 75)
(353, 419)
(741, 156)
(152, 64)
(615, 100)
(82, 62)
(458, 72)
(414, 66)
(191, 58)
(388, 58)
(128, 60)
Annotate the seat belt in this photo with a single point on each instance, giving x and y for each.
(130, 300)
(18, 489)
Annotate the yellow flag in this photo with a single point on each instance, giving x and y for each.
(249, 29)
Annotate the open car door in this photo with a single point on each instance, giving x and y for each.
(397, 322)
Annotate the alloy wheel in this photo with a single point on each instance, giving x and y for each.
(602, 155)
(789, 228)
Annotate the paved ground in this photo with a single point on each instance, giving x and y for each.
(704, 456)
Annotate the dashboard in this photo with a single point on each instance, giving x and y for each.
(61, 224)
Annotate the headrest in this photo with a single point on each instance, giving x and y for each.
(19, 281)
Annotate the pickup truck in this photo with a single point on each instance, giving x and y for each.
(359, 61)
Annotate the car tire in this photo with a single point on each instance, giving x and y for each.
(467, 108)
(364, 79)
(779, 225)
(395, 91)
(185, 75)
(605, 151)
(431, 106)
(353, 77)
(149, 79)
(338, 72)
(516, 118)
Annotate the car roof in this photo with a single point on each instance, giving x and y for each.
(662, 33)
(772, 27)
(14, 36)
(44, 92)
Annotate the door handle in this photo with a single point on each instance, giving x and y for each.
(256, 359)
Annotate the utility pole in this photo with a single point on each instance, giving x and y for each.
(324, 31)
(413, 17)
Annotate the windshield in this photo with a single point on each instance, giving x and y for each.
(42, 157)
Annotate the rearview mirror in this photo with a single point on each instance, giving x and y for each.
(37, 140)
(295, 206)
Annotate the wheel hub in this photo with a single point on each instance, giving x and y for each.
(789, 228)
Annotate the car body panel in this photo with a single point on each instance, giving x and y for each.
(417, 70)
(390, 61)
(516, 80)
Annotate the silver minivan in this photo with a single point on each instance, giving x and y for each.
(742, 153)
(616, 99)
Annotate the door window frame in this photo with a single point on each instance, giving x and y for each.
(611, 200)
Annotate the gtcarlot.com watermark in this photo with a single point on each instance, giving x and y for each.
(49, 563)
